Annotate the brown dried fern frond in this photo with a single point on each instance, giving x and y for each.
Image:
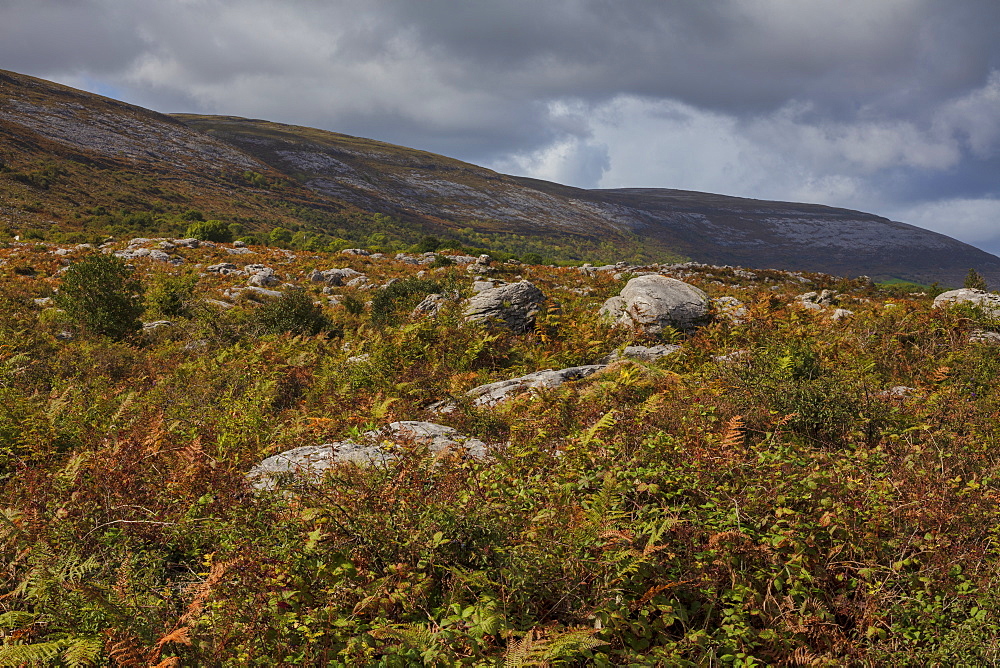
(125, 649)
(732, 437)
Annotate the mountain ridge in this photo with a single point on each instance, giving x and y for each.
(65, 150)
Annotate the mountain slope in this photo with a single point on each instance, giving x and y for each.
(71, 157)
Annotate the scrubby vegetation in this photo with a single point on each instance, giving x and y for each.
(788, 489)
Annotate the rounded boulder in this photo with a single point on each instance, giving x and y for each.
(653, 303)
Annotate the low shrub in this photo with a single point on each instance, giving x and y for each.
(294, 313)
(102, 295)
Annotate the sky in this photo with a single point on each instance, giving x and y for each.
(886, 106)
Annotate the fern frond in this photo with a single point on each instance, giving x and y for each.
(607, 421)
(732, 437)
(169, 662)
(651, 592)
(416, 636)
(533, 650)
(940, 374)
(82, 652)
(125, 650)
(16, 619)
(652, 405)
(39, 652)
(179, 635)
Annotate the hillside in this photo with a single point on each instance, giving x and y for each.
(244, 456)
(80, 164)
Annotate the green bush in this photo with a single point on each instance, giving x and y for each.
(975, 280)
(294, 313)
(103, 296)
(427, 245)
(280, 235)
(398, 296)
(171, 296)
(210, 230)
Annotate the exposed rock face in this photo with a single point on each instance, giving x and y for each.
(438, 438)
(655, 302)
(308, 463)
(988, 301)
(261, 276)
(430, 305)
(643, 353)
(494, 393)
(514, 306)
(983, 336)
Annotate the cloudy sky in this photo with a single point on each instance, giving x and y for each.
(888, 106)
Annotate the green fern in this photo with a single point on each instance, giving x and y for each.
(607, 421)
(35, 653)
(532, 650)
(16, 619)
(82, 652)
(73, 652)
(416, 636)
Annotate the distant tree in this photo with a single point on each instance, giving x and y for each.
(975, 280)
(531, 258)
(427, 244)
(280, 235)
(102, 294)
(210, 230)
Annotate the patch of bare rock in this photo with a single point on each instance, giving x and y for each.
(989, 302)
(308, 464)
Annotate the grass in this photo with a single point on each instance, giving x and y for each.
(773, 507)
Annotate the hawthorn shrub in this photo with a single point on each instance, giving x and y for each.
(294, 313)
(102, 295)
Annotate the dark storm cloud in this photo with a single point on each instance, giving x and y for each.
(883, 104)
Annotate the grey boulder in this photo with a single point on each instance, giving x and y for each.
(334, 277)
(730, 308)
(988, 301)
(514, 305)
(643, 353)
(653, 303)
(430, 305)
(308, 463)
(494, 393)
(438, 438)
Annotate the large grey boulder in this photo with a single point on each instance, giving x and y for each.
(494, 393)
(988, 301)
(309, 462)
(655, 302)
(437, 437)
(514, 305)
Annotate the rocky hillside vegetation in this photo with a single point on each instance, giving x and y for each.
(76, 167)
(233, 454)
